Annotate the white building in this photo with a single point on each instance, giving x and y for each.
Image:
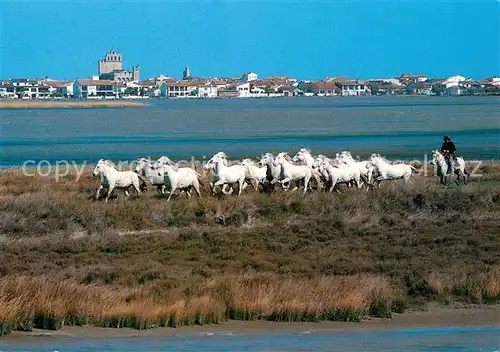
(249, 77)
(352, 88)
(209, 91)
(179, 89)
(243, 89)
(61, 88)
(88, 88)
(453, 81)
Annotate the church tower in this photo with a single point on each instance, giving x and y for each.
(186, 74)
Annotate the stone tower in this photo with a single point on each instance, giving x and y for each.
(113, 61)
(135, 73)
(186, 74)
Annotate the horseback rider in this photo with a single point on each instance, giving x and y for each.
(448, 149)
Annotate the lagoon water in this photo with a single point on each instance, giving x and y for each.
(398, 127)
(430, 339)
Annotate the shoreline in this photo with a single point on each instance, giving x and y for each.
(434, 316)
(65, 104)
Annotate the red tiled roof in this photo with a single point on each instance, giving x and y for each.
(324, 85)
(57, 83)
(147, 83)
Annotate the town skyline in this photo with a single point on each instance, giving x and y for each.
(360, 40)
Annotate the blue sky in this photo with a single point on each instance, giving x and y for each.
(308, 40)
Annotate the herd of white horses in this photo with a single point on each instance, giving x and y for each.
(289, 173)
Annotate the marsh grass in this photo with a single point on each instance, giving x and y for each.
(46, 303)
(142, 262)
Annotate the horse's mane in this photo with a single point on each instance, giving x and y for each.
(378, 156)
(248, 161)
(305, 150)
(108, 162)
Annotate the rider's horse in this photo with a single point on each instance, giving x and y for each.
(458, 167)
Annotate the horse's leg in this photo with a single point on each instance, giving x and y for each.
(244, 185)
(110, 189)
(255, 185)
(172, 190)
(332, 186)
(379, 180)
(222, 186)
(196, 187)
(97, 193)
(306, 183)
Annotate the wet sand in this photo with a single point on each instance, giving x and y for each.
(434, 316)
(36, 104)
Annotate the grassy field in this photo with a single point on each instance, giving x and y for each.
(143, 262)
(52, 104)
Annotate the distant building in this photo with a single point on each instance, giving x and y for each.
(26, 88)
(186, 74)
(87, 88)
(320, 88)
(353, 88)
(111, 68)
(243, 89)
(453, 81)
(407, 78)
(207, 91)
(60, 88)
(178, 89)
(420, 88)
(249, 77)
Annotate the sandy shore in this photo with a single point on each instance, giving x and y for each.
(36, 104)
(434, 316)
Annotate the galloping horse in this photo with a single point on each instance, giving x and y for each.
(112, 178)
(439, 161)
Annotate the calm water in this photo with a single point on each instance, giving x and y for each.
(405, 127)
(435, 339)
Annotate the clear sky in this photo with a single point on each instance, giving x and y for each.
(308, 40)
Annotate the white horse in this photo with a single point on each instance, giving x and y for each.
(209, 166)
(273, 172)
(112, 178)
(387, 171)
(183, 178)
(162, 160)
(439, 161)
(291, 172)
(365, 172)
(226, 174)
(256, 174)
(336, 175)
(146, 169)
(305, 157)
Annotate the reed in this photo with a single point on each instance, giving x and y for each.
(476, 287)
(46, 303)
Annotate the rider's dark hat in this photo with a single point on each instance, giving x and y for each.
(446, 137)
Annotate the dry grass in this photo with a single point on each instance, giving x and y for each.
(477, 287)
(46, 303)
(31, 104)
(287, 257)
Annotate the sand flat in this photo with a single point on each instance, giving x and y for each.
(434, 316)
(36, 104)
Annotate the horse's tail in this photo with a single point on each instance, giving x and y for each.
(143, 179)
(199, 177)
